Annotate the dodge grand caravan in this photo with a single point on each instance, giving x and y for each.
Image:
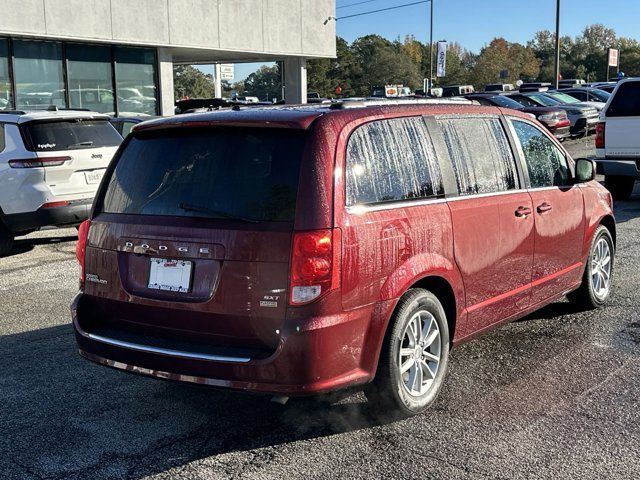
(301, 250)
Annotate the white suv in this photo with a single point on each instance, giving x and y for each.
(51, 163)
(618, 139)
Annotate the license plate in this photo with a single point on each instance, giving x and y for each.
(94, 176)
(170, 275)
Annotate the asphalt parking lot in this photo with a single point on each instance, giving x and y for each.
(552, 396)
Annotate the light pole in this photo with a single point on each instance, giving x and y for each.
(429, 85)
(557, 56)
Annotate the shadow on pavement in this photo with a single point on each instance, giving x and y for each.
(24, 245)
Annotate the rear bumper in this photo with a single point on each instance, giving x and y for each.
(73, 214)
(326, 354)
(619, 167)
(561, 133)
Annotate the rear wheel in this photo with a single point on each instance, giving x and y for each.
(596, 282)
(6, 241)
(414, 357)
(620, 187)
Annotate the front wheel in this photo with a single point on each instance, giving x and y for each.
(595, 288)
(621, 188)
(414, 357)
(6, 241)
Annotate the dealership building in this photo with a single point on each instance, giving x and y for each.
(117, 56)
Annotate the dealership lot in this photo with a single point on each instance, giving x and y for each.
(552, 396)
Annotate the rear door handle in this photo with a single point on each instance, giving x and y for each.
(523, 212)
(545, 207)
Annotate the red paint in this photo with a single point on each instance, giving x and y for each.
(500, 256)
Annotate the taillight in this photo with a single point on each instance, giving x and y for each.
(600, 138)
(38, 162)
(81, 248)
(314, 265)
(61, 203)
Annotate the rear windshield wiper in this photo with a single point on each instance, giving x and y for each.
(88, 143)
(197, 208)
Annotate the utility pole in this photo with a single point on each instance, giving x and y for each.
(557, 65)
(430, 86)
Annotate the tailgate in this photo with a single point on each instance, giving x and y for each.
(621, 136)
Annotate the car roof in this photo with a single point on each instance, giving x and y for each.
(301, 117)
(18, 116)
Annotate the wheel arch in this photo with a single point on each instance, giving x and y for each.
(609, 222)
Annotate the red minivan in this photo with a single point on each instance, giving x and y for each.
(301, 250)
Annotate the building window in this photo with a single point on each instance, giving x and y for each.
(136, 81)
(38, 74)
(90, 78)
(6, 97)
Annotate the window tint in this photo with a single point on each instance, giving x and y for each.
(547, 165)
(6, 97)
(135, 80)
(37, 67)
(210, 173)
(626, 102)
(90, 79)
(392, 160)
(71, 135)
(482, 158)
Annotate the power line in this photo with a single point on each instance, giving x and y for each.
(356, 3)
(382, 10)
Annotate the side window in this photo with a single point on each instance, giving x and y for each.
(392, 160)
(579, 95)
(626, 101)
(547, 165)
(126, 128)
(482, 158)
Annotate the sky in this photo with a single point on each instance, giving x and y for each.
(474, 23)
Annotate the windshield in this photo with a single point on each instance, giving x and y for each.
(600, 95)
(506, 102)
(245, 174)
(55, 136)
(563, 97)
(544, 100)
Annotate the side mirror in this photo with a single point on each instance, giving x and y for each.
(585, 170)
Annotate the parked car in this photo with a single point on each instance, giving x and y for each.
(570, 83)
(124, 125)
(51, 163)
(457, 90)
(570, 100)
(617, 139)
(303, 250)
(314, 97)
(608, 87)
(499, 87)
(535, 87)
(555, 119)
(583, 118)
(588, 94)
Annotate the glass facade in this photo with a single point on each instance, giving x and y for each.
(39, 75)
(107, 79)
(136, 81)
(6, 97)
(90, 78)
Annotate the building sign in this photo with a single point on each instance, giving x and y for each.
(614, 57)
(441, 70)
(227, 71)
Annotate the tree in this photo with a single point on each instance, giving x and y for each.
(513, 60)
(265, 83)
(191, 82)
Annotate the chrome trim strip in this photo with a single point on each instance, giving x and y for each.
(166, 351)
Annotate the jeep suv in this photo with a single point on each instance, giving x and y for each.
(301, 250)
(617, 139)
(51, 163)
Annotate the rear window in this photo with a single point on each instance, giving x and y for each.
(71, 135)
(245, 174)
(626, 101)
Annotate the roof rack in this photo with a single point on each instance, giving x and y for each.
(12, 112)
(347, 104)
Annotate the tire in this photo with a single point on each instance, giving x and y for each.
(393, 391)
(6, 241)
(588, 296)
(620, 187)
